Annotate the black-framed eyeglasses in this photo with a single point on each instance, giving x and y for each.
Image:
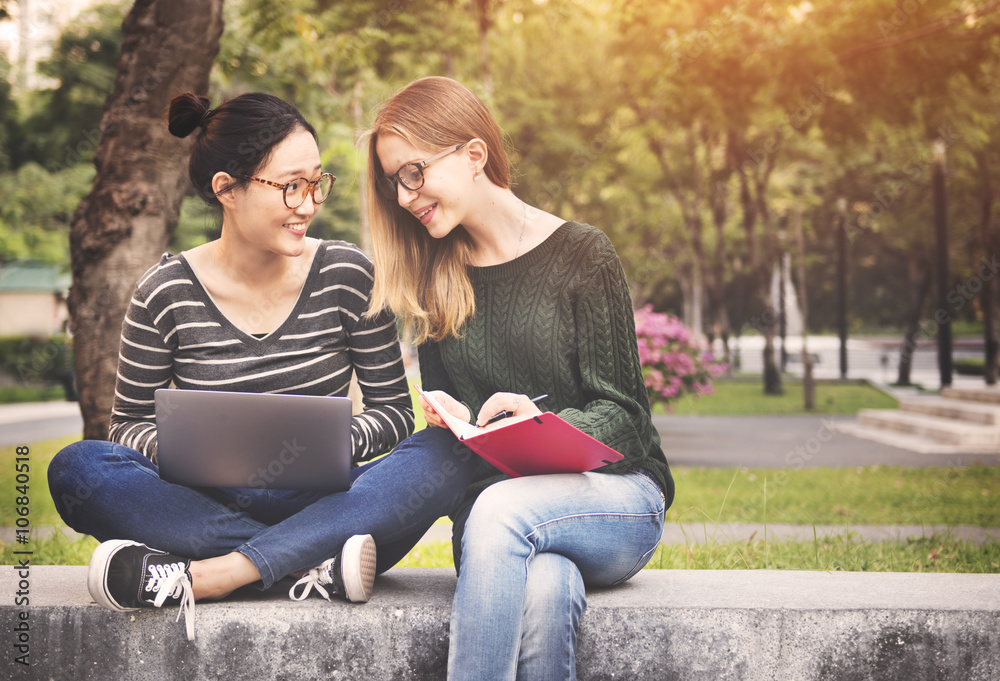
(411, 175)
(295, 192)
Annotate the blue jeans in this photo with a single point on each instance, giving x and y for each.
(526, 549)
(110, 491)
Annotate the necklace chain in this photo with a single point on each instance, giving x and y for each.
(524, 225)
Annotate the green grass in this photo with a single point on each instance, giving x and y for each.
(745, 397)
(31, 393)
(840, 552)
(866, 495)
(41, 509)
(55, 549)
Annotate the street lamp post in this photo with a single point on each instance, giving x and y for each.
(842, 283)
(943, 316)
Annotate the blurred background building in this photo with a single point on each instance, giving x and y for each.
(31, 31)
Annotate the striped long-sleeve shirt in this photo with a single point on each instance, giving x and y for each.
(173, 333)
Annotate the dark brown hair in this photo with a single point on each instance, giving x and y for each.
(236, 138)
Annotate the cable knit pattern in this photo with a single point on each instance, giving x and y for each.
(174, 333)
(557, 320)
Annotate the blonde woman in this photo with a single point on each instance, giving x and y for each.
(506, 302)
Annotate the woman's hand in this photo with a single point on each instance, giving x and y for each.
(512, 403)
(448, 403)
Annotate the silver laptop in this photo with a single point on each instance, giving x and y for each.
(210, 438)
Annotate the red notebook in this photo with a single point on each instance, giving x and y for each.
(530, 445)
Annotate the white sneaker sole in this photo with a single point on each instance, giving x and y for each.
(97, 573)
(358, 567)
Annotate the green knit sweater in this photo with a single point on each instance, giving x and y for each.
(557, 320)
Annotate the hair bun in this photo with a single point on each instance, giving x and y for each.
(187, 113)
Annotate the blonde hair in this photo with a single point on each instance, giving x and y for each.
(423, 280)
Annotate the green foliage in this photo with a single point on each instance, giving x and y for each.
(36, 360)
(8, 114)
(970, 366)
(60, 127)
(649, 119)
(36, 211)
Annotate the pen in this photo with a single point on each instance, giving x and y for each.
(504, 414)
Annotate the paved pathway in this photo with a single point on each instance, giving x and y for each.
(789, 442)
(29, 422)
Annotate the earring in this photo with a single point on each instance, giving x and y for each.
(476, 175)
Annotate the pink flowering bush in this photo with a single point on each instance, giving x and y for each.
(674, 362)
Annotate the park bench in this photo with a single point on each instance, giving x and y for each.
(662, 625)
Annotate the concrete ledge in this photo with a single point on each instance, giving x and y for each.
(662, 625)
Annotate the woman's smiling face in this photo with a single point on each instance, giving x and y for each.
(259, 213)
(438, 204)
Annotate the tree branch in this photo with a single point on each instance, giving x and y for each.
(941, 24)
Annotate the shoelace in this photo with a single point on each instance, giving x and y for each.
(314, 579)
(159, 572)
(177, 585)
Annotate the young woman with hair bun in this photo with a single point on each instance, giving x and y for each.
(263, 308)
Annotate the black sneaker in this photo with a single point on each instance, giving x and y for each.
(351, 572)
(125, 575)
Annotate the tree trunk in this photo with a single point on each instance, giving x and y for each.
(717, 293)
(919, 279)
(991, 340)
(808, 384)
(124, 224)
(485, 21)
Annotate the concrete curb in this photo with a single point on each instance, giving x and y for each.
(663, 625)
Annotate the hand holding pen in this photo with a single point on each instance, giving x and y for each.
(514, 400)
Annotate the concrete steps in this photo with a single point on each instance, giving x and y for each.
(961, 419)
(942, 430)
(954, 408)
(986, 395)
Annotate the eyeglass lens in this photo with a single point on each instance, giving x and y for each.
(410, 176)
(296, 190)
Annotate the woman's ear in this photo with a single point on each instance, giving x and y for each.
(221, 184)
(478, 154)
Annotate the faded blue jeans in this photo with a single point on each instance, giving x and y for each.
(526, 550)
(110, 491)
